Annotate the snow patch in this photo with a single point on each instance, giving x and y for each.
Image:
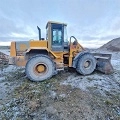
(5, 51)
(102, 83)
(116, 64)
(52, 93)
(62, 95)
(2, 78)
(10, 68)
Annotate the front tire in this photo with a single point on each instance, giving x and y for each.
(39, 68)
(86, 64)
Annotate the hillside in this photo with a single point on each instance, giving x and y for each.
(113, 45)
(4, 47)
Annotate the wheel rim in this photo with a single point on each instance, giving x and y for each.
(40, 69)
(87, 64)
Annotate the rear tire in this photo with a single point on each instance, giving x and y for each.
(35, 72)
(86, 64)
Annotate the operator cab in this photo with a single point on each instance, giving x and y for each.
(56, 34)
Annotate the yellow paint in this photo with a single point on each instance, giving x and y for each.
(42, 48)
(23, 47)
(13, 49)
(74, 50)
(41, 68)
(36, 48)
(56, 56)
(42, 43)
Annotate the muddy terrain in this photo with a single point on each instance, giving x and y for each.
(66, 96)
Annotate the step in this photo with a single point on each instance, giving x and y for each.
(60, 69)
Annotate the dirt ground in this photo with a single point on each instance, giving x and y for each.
(66, 96)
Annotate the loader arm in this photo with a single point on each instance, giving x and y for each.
(75, 49)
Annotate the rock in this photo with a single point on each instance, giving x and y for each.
(33, 105)
(51, 110)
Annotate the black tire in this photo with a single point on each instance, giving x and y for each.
(84, 69)
(33, 74)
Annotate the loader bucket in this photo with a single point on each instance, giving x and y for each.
(103, 63)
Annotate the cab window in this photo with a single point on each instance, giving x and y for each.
(57, 34)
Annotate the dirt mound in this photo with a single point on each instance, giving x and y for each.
(113, 45)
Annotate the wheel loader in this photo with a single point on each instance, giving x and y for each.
(43, 58)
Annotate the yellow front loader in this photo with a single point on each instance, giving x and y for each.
(43, 58)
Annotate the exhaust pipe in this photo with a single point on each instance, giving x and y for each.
(39, 32)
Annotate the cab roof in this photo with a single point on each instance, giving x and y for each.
(50, 22)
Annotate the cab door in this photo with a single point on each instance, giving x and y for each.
(57, 40)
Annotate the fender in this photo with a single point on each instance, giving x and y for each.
(75, 60)
(40, 48)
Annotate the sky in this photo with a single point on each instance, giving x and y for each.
(92, 22)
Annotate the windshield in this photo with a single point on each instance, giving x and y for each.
(57, 37)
